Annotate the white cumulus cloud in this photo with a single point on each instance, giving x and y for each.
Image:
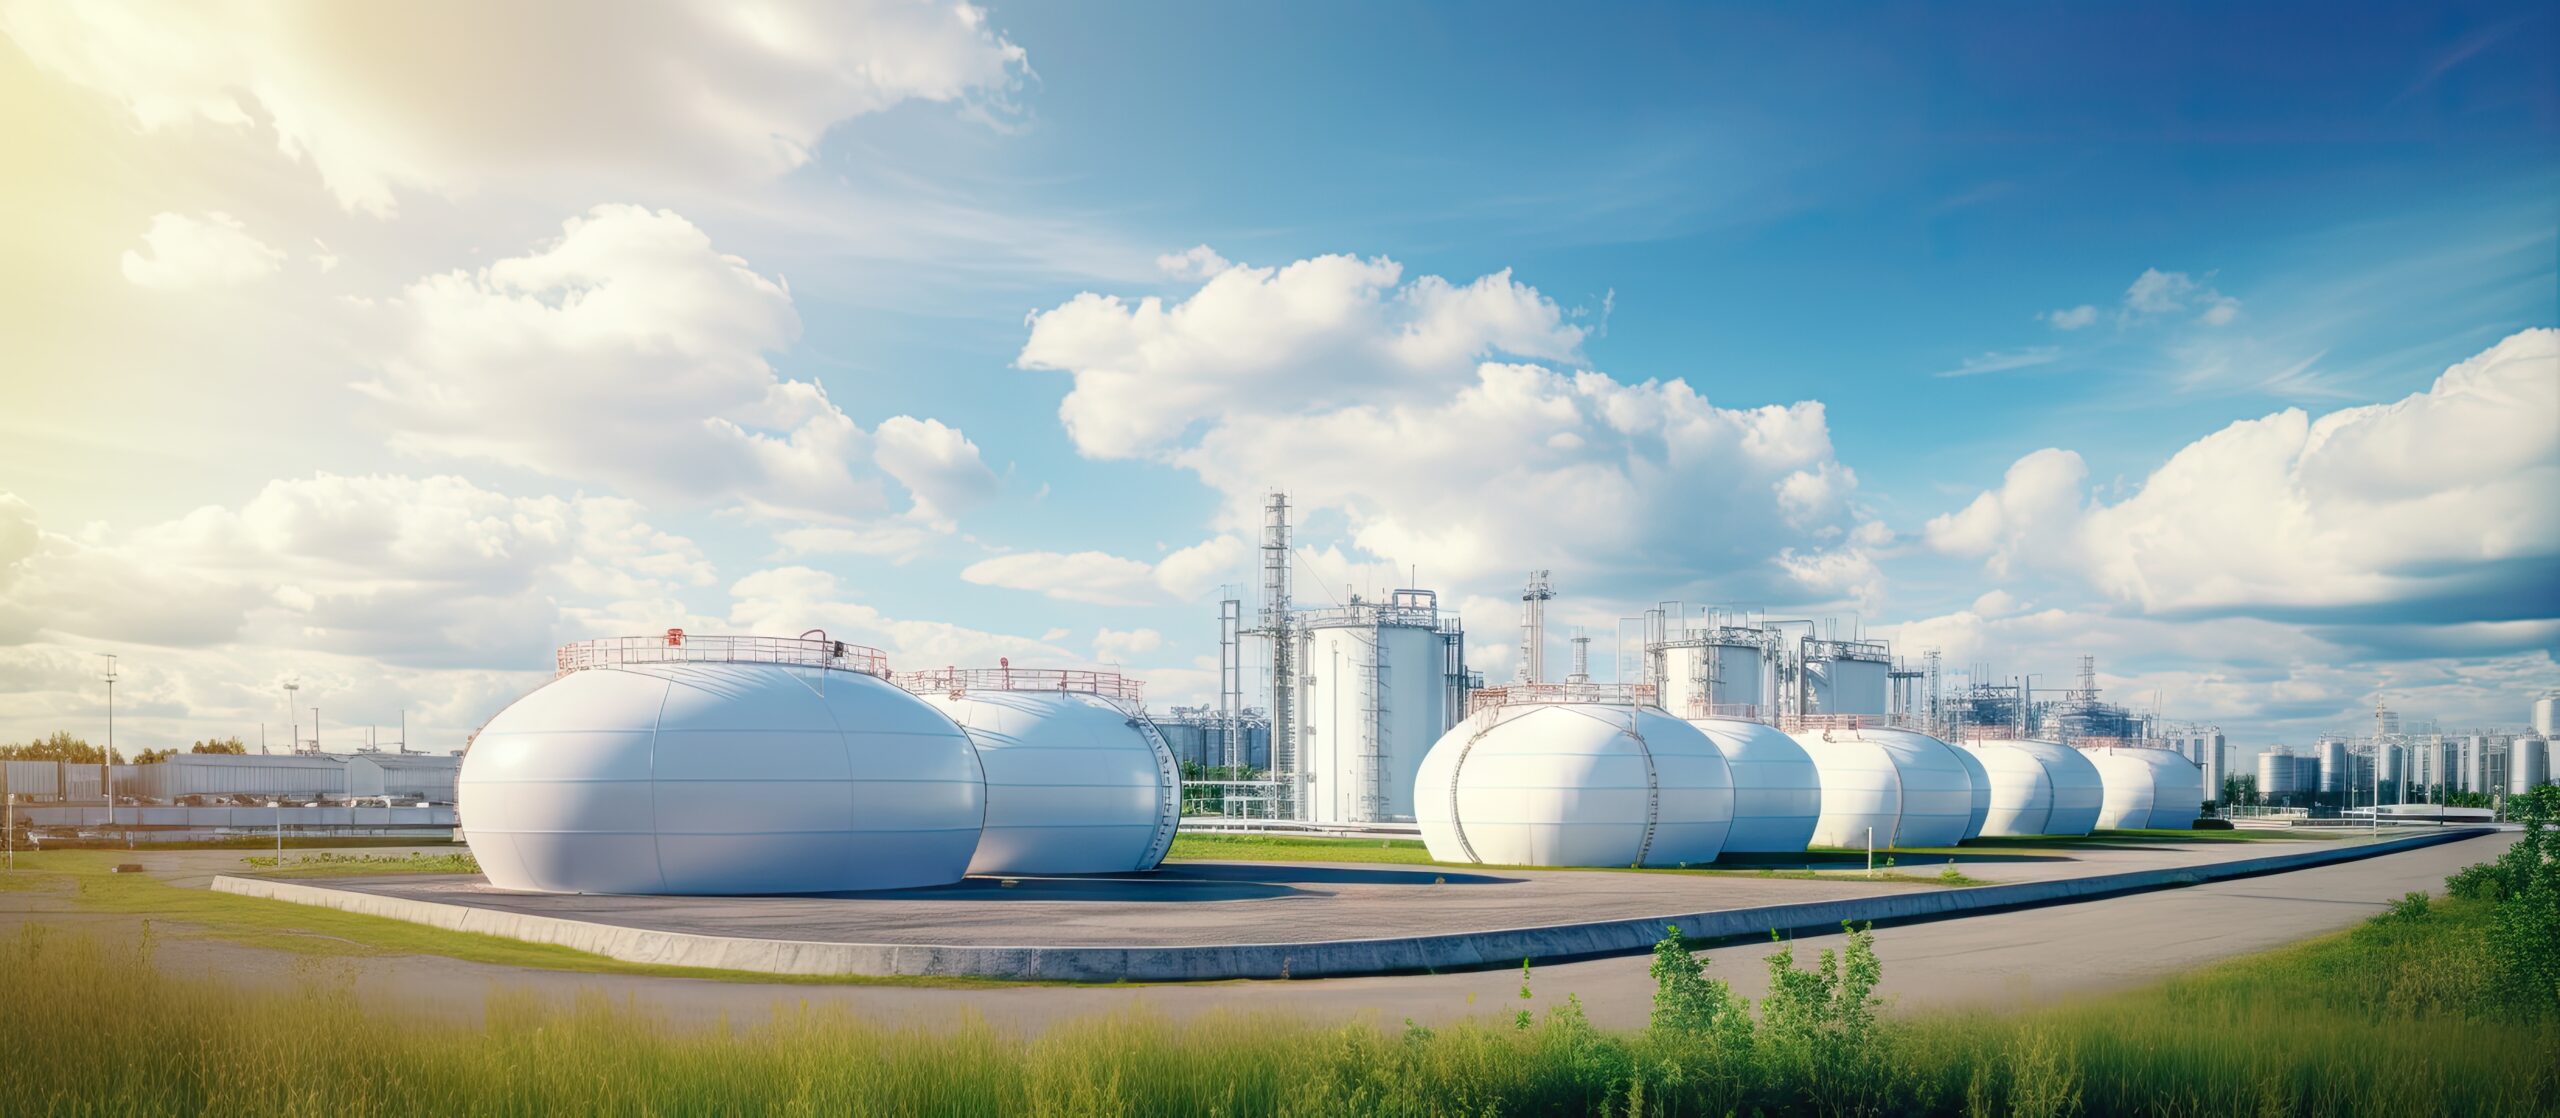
(1433, 418)
(2435, 508)
(214, 250)
(632, 352)
(447, 98)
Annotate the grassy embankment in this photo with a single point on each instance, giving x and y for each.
(2394, 1017)
(78, 881)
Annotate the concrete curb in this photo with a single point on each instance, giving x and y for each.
(1323, 959)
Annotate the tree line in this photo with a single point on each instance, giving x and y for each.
(63, 746)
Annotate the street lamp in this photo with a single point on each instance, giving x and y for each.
(293, 723)
(106, 760)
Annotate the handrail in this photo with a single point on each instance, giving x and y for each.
(679, 647)
(960, 681)
(1739, 712)
(1516, 694)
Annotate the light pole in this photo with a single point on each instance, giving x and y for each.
(293, 724)
(315, 731)
(106, 760)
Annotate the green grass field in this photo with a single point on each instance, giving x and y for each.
(331, 864)
(79, 879)
(2391, 1018)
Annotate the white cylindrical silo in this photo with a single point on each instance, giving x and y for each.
(720, 765)
(1777, 793)
(2039, 788)
(2147, 788)
(1573, 783)
(1078, 781)
(1375, 691)
(2527, 766)
(1908, 787)
(1714, 673)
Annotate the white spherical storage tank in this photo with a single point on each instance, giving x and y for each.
(1907, 788)
(1573, 775)
(1977, 810)
(2039, 788)
(2152, 788)
(1777, 793)
(720, 765)
(1078, 781)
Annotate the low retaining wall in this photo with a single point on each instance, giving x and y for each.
(1324, 959)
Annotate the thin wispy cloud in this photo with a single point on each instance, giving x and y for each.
(2002, 361)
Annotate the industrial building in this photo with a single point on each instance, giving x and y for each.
(215, 779)
(1202, 736)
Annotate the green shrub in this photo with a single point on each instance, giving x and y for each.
(2209, 823)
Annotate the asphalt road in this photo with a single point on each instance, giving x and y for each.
(2013, 958)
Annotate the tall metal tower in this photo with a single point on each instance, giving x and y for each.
(1533, 627)
(1280, 628)
(1581, 658)
(1937, 709)
(1230, 680)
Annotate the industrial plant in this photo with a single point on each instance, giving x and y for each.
(698, 764)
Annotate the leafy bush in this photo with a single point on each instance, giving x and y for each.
(2209, 823)
(2524, 887)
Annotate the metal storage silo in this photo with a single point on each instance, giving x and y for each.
(2147, 788)
(2039, 788)
(1909, 787)
(2528, 767)
(1777, 793)
(1713, 673)
(720, 765)
(1078, 780)
(1574, 775)
(1845, 677)
(1378, 683)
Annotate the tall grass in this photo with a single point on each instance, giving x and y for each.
(2395, 1017)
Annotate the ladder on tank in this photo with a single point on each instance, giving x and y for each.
(1375, 739)
(1168, 790)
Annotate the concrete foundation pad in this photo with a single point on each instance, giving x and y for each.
(1205, 921)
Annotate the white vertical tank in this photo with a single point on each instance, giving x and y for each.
(2039, 788)
(1374, 693)
(1078, 780)
(1846, 677)
(1777, 793)
(1547, 775)
(1910, 788)
(2152, 788)
(720, 765)
(2528, 766)
(1718, 673)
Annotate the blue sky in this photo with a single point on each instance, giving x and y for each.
(2016, 254)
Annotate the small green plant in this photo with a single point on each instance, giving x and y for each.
(1522, 1021)
(2411, 906)
(1688, 1003)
